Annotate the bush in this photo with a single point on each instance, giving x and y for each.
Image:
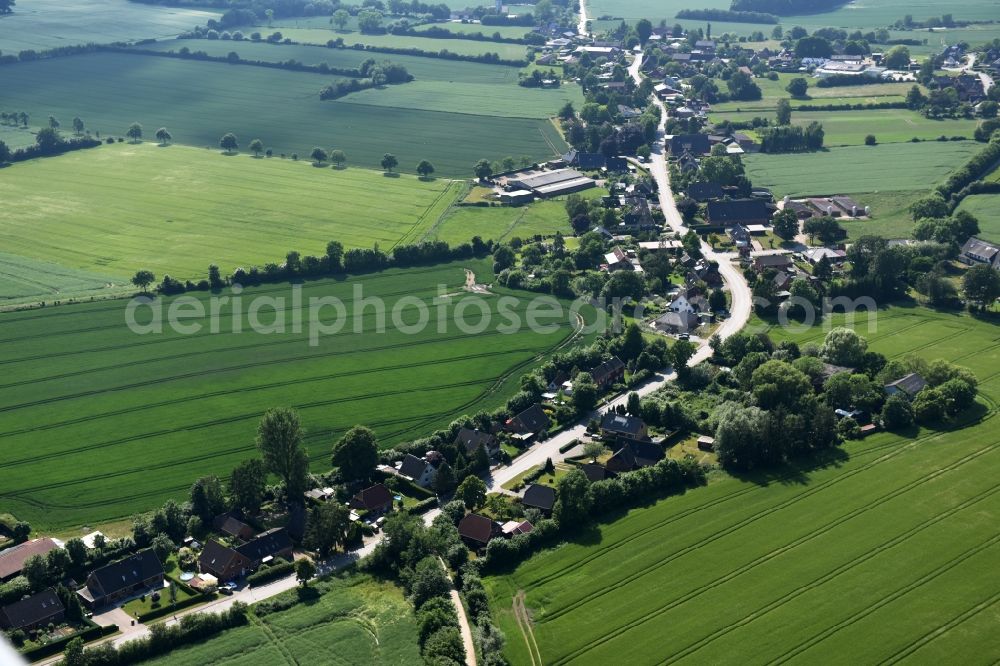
(273, 572)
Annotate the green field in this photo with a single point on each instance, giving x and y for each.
(17, 137)
(849, 128)
(509, 31)
(200, 101)
(47, 24)
(31, 280)
(891, 167)
(986, 207)
(500, 223)
(98, 422)
(887, 554)
(775, 90)
(461, 46)
(357, 620)
(115, 209)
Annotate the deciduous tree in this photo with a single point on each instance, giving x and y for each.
(279, 440)
(356, 453)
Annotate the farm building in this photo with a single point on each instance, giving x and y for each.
(12, 559)
(909, 386)
(118, 580)
(548, 183)
(540, 497)
(31, 612)
(374, 499)
(616, 426)
(738, 211)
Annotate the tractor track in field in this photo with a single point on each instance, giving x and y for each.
(257, 290)
(936, 633)
(894, 449)
(830, 575)
(884, 601)
(523, 619)
(739, 571)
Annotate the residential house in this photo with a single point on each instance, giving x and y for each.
(634, 455)
(618, 427)
(118, 580)
(779, 262)
(472, 439)
(677, 322)
(909, 386)
(703, 191)
(689, 300)
(231, 525)
(12, 559)
(540, 497)
(477, 531)
(418, 470)
(529, 423)
(617, 260)
(513, 527)
(816, 254)
(978, 251)
(595, 472)
(275, 542)
(637, 213)
(38, 610)
(608, 373)
(223, 562)
(738, 211)
(374, 499)
(687, 162)
(695, 144)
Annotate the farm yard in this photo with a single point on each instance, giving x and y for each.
(47, 24)
(359, 619)
(881, 555)
(99, 422)
(201, 101)
(202, 207)
(857, 169)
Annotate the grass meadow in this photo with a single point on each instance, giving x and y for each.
(47, 24)
(356, 620)
(775, 90)
(201, 101)
(461, 46)
(885, 553)
(857, 169)
(32, 280)
(986, 207)
(98, 422)
(201, 207)
(509, 31)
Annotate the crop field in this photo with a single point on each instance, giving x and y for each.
(508, 31)
(17, 137)
(201, 101)
(986, 207)
(47, 24)
(357, 620)
(202, 207)
(461, 46)
(884, 554)
(849, 128)
(855, 169)
(775, 90)
(99, 422)
(502, 223)
(31, 280)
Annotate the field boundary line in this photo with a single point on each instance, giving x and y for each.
(739, 571)
(936, 633)
(830, 575)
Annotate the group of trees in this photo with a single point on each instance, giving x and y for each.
(791, 138)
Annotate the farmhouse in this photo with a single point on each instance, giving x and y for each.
(909, 386)
(418, 470)
(374, 499)
(616, 426)
(540, 497)
(738, 211)
(978, 251)
(32, 612)
(223, 562)
(549, 183)
(476, 531)
(12, 559)
(118, 580)
(473, 439)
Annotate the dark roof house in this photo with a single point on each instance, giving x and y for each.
(12, 559)
(634, 455)
(540, 497)
(477, 530)
(738, 211)
(375, 498)
(222, 561)
(627, 427)
(473, 439)
(697, 144)
(35, 611)
(910, 385)
(531, 421)
(418, 469)
(115, 581)
(275, 542)
(704, 191)
(608, 373)
(236, 528)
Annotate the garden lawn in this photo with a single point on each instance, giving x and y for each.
(986, 207)
(857, 169)
(356, 620)
(112, 210)
(885, 553)
(47, 24)
(98, 422)
(200, 101)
